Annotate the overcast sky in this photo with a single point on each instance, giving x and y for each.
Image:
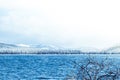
(65, 23)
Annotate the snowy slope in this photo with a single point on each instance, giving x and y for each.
(3, 45)
(114, 49)
(26, 48)
(89, 49)
(46, 47)
(40, 47)
(23, 45)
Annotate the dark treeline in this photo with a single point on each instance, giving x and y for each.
(53, 52)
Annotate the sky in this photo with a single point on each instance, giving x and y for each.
(64, 23)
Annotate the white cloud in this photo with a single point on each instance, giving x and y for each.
(65, 22)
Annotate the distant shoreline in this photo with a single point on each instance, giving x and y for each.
(56, 53)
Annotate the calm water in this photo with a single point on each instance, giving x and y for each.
(40, 67)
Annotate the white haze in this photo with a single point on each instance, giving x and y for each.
(65, 23)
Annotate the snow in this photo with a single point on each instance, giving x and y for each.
(23, 45)
(41, 47)
(114, 49)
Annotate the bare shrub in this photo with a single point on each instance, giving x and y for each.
(95, 69)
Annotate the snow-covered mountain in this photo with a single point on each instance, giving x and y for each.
(89, 49)
(26, 48)
(86, 49)
(4, 45)
(114, 49)
(23, 45)
(46, 47)
(42, 47)
(39, 47)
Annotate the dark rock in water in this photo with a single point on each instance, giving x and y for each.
(43, 78)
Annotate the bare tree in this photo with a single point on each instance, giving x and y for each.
(93, 69)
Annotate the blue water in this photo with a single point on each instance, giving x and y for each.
(38, 67)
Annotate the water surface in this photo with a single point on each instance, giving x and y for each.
(41, 67)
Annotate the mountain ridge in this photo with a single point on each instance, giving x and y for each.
(38, 47)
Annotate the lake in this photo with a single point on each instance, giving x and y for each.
(42, 67)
